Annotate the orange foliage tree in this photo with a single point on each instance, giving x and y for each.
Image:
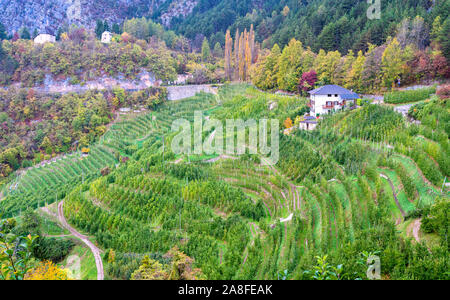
(288, 123)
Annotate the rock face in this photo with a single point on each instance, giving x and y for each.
(46, 16)
(177, 9)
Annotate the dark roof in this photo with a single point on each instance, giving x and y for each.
(309, 121)
(333, 90)
(350, 96)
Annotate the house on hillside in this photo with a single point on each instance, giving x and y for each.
(329, 98)
(106, 37)
(44, 38)
(308, 123)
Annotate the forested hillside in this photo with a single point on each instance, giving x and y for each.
(319, 24)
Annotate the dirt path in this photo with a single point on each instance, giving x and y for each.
(394, 193)
(96, 251)
(416, 228)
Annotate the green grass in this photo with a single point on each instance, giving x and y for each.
(427, 193)
(407, 206)
(409, 96)
(88, 270)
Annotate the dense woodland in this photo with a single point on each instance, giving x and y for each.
(402, 59)
(320, 24)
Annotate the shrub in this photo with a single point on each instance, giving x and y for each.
(409, 96)
(444, 91)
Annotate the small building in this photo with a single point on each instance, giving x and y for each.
(329, 98)
(308, 123)
(44, 38)
(106, 37)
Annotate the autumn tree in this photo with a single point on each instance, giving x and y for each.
(308, 81)
(182, 266)
(288, 123)
(290, 66)
(393, 62)
(47, 271)
(265, 72)
(413, 32)
(245, 53)
(179, 268)
(150, 270)
(228, 55)
(236, 54)
(344, 68)
(285, 11)
(354, 77)
(241, 57)
(326, 64)
(371, 75)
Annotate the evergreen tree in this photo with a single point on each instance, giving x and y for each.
(444, 39)
(99, 28)
(3, 34)
(206, 50)
(116, 28)
(218, 51)
(59, 33)
(106, 26)
(25, 34)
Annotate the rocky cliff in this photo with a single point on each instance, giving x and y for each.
(46, 16)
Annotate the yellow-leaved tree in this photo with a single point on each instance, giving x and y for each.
(179, 268)
(47, 270)
(288, 123)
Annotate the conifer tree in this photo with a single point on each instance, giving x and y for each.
(99, 29)
(206, 50)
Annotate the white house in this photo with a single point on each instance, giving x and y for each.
(106, 37)
(308, 123)
(331, 98)
(44, 38)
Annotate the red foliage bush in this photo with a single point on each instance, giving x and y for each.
(444, 91)
(307, 81)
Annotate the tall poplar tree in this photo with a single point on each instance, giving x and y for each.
(228, 55)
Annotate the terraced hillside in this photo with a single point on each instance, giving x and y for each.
(339, 191)
(50, 181)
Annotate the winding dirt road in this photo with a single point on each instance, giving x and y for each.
(84, 239)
